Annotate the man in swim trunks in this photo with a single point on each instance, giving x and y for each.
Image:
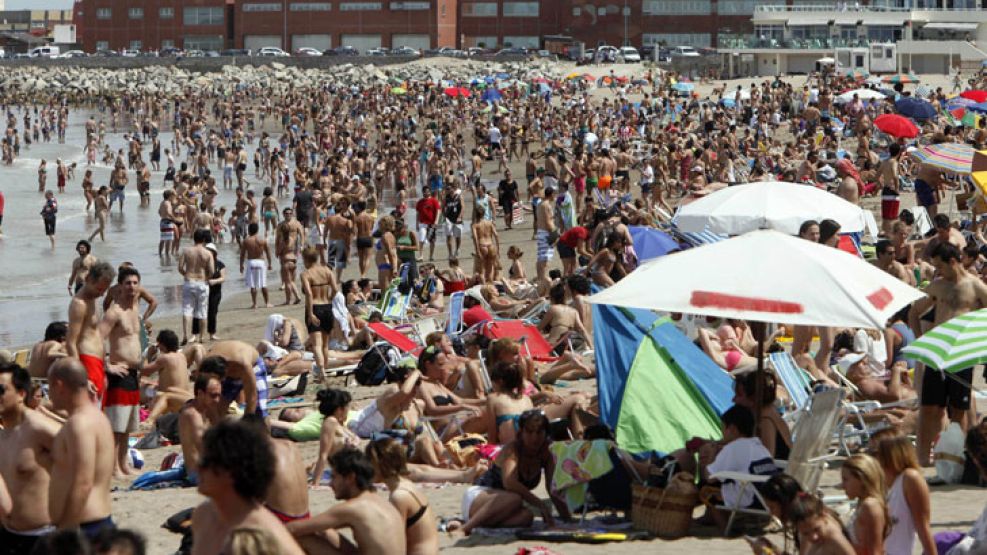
(197, 416)
(928, 188)
(84, 341)
(27, 438)
(287, 240)
(545, 226)
(196, 264)
(82, 454)
(427, 210)
(364, 224)
(257, 255)
(166, 212)
(287, 496)
(238, 365)
(339, 233)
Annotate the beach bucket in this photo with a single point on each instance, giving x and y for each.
(666, 512)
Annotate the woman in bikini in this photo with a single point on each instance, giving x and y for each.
(723, 347)
(607, 267)
(387, 456)
(269, 208)
(319, 286)
(486, 243)
(505, 403)
(102, 211)
(387, 254)
(334, 404)
(561, 320)
(87, 188)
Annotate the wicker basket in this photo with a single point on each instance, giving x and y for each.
(665, 512)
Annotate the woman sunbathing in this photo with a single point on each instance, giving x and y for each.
(561, 321)
(506, 403)
(723, 347)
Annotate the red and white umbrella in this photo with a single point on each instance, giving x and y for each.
(765, 276)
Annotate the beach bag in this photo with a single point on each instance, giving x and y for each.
(666, 512)
(377, 364)
(463, 449)
(948, 454)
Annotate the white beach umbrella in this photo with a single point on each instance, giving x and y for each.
(765, 276)
(863, 94)
(767, 205)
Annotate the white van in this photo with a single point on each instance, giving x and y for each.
(684, 52)
(45, 52)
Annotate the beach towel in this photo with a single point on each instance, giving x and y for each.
(576, 463)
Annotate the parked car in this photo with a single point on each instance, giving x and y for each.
(405, 51)
(107, 54)
(545, 54)
(307, 51)
(170, 51)
(237, 52)
(130, 53)
(589, 55)
(684, 52)
(272, 52)
(512, 51)
(630, 54)
(379, 51)
(342, 51)
(73, 54)
(45, 52)
(195, 54)
(212, 54)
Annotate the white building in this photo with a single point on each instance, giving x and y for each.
(791, 39)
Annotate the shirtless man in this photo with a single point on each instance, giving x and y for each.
(113, 295)
(545, 226)
(197, 416)
(945, 233)
(122, 327)
(886, 262)
(287, 496)
(82, 453)
(27, 438)
(81, 266)
(339, 233)
(236, 470)
(240, 368)
(364, 224)
(48, 350)
(174, 388)
(287, 239)
(929, 185)
(166, 211)
(196, 264)
(255, 251)
(83, 341)
(362, 510)
(952, 293)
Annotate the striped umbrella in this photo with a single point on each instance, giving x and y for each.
(858, 74)
(902, 78)
(958, 102)
(951, 157)
(954, 345)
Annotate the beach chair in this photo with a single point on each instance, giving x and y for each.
(344, 372)
(422, 328)
(810, 452)
(795, 380)
(386, 333)
(454, 322)
(531, 340)
(923, 222)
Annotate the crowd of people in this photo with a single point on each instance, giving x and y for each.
(362, 185)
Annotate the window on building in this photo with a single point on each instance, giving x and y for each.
(479, 9)
(167, 43)
(262, 7)
(202, 16)
(310, 7)
(520, 9)
(360, 6)
(136, 45)
(735, 7)
(102, 45)
(676, 7)
(810, 31)
(104, 13)
(135, 13)
(698, 40)
(577, 11)
(203, 42)
(166, 13)
(884, 33)
(769, 32)
(409, 6)
(482, 42)
(517, 41)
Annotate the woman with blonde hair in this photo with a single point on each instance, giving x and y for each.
(387, 455)
(908, 495)
(863, 481)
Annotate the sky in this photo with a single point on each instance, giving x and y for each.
(38, 4)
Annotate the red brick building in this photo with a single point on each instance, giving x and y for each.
(322, 24)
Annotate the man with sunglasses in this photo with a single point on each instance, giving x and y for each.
(27, 437)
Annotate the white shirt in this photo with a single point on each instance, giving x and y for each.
(745, 454)
(647, 175)
(495, 134)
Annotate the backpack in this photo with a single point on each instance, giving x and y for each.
(377, 364)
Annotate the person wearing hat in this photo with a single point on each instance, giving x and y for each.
(215, 282)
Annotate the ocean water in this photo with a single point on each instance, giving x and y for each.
(33, 277)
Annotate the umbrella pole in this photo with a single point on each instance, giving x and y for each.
(758, 330)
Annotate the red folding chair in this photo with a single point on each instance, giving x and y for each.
(531, 340)
(403, 343)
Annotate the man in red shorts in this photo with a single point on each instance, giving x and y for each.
(84, 340)
(888, 177)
